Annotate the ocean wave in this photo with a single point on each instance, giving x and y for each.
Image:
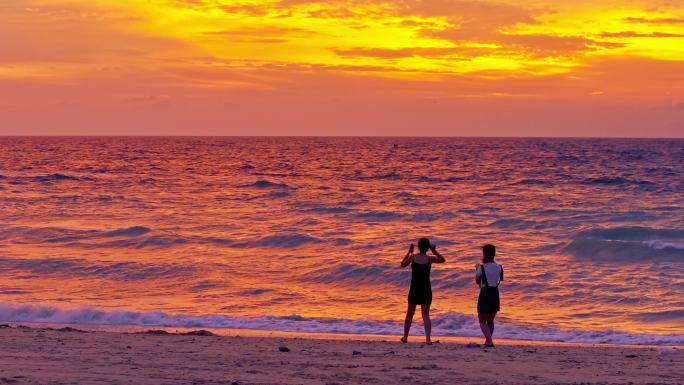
(81, 268)
(265, 184)
(379, 215)
(358, 274)
(141, 237)
(137, 237)
(279, 241)
(513, 223)
(159, 241)
(617, 181)
(56, 177)
(429, 217)
(628, 244)
(449, 324)
(386, 176)
(530, 182)
(127, 232)
(664, 245)
(276, 195)
(662, 316)
(25, 234)
(331, 210)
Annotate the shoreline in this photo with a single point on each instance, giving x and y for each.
(42, 355)
(335, 336)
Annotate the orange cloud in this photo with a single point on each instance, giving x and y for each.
(338, 63)
(640, 34)
(661, 20)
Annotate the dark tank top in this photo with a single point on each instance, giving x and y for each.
(420, 292)
(420, 274)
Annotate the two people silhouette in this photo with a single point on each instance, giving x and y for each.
(488, 275)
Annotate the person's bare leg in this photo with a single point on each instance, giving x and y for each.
(407, 322)
(490, 322)
(484, 325)
(425, 310)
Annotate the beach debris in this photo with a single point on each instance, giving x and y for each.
(4, 326)
(283, 349)
(391, 352)
(631, 356)
(70, 329)
(472, 345)
(356, 353)
(198, 333)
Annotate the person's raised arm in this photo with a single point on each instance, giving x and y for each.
(408, 257)
(437, 257)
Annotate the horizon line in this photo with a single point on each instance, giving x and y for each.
(348, 136)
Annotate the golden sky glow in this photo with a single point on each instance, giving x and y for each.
(224, 65)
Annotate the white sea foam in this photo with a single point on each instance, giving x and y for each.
(450, 324)
(628, 244)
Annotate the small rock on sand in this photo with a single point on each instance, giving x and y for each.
(356, 353)
(283, 349)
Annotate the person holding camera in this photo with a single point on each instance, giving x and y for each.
(420, 292)
(488, 275)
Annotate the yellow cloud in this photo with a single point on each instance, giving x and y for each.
(428, 38)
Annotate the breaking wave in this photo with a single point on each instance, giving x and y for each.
(449, 324)
(628, 244)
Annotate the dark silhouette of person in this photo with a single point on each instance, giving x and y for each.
(420, 292)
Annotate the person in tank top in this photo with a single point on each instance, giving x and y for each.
(488, 276)
(420, 292)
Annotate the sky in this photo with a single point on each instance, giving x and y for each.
(610, 68)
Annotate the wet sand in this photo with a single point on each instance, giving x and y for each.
(44, 356)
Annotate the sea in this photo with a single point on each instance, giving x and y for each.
(306, 234)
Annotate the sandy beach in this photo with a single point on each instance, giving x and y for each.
(49, 356)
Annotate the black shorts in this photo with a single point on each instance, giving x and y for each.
(488, 300)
